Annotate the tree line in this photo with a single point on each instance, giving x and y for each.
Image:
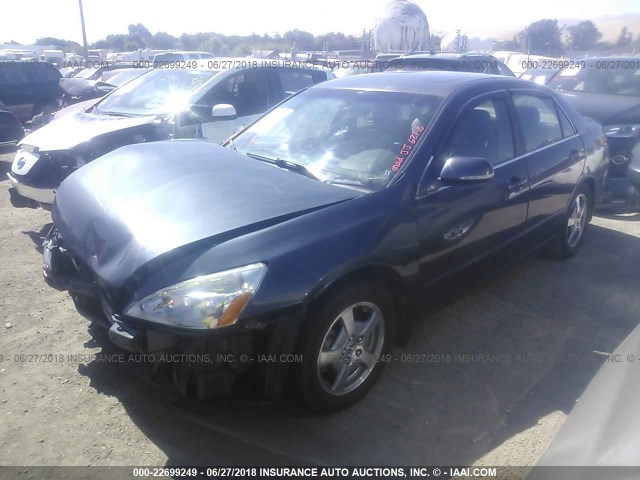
(544, 37)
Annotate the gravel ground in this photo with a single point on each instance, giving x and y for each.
(542, 321)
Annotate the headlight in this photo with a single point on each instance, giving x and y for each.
(626, 131)
(209, 301)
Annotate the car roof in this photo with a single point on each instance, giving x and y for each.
(438, 83)
(239, 63)
(613, 57)
(447, 56)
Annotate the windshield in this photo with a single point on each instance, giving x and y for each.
(591, 79)
(352, 138)
(124, 76)
(86, 73)
(157, 92)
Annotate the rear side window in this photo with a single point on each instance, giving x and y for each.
(483, 131)
(538, 119)
(293, 80)
(567, 127)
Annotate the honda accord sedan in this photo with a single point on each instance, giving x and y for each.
(300, 250)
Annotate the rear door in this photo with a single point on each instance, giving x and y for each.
(554, 154)
(10, 130)
(15, 91)
(462, 224)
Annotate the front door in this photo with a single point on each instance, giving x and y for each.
(460, 224)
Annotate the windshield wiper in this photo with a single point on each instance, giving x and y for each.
(285, 164)
(350, 183)
(117, 114)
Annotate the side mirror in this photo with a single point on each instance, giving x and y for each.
(223, 111)
(466, 169)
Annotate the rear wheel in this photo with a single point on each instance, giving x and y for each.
(342, 349)
(575, 222)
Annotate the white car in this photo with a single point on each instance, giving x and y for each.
(209, 99)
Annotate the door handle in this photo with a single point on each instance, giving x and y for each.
(576, 155)
(517, 183)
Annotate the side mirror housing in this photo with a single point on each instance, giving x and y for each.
(223, 111)
(466, 170)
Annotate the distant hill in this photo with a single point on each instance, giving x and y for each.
(610, 25)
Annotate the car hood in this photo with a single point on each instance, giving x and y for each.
(71, 130)
(76, 107)
(142, 201)
(605, 109)
(602, 429)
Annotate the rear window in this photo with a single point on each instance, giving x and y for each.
(11, 74)
(42, 72)
(617, 78)
(293, 80)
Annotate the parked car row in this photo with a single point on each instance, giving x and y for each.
(607, 89)
(161, 104)
(320, 231)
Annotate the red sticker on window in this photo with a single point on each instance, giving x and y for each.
(405, 150)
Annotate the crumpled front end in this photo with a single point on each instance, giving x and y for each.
(204, 364)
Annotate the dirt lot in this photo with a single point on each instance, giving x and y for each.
(543, 322)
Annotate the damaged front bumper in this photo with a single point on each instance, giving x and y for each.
(230, 352)
(42, 195)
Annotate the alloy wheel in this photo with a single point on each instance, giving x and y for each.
(350, 348)
(577, 220)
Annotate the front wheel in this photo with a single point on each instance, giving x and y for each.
(575, 223)
(343, 346)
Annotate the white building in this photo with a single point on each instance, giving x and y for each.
(402, 26)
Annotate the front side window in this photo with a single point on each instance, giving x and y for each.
(353, 138)
(482, 131)
(246, 90)
(538, 119)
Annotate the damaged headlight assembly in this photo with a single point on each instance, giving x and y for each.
(205, 302)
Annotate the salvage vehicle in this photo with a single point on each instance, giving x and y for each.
(323, 230)
(29, 88)
(82, 86)
(455, 62)
(601, 431)
(84, 90)
(11, 130)
(162, 104)
(607, 89)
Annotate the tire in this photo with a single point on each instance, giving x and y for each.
(47, 107)
(349, 366)
(574, 224)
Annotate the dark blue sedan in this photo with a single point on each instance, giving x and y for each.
(304, 248)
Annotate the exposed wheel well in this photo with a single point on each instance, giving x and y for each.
(40, 104)
(591, 184)
(381, 275)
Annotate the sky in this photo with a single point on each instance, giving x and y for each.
(60, 18)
